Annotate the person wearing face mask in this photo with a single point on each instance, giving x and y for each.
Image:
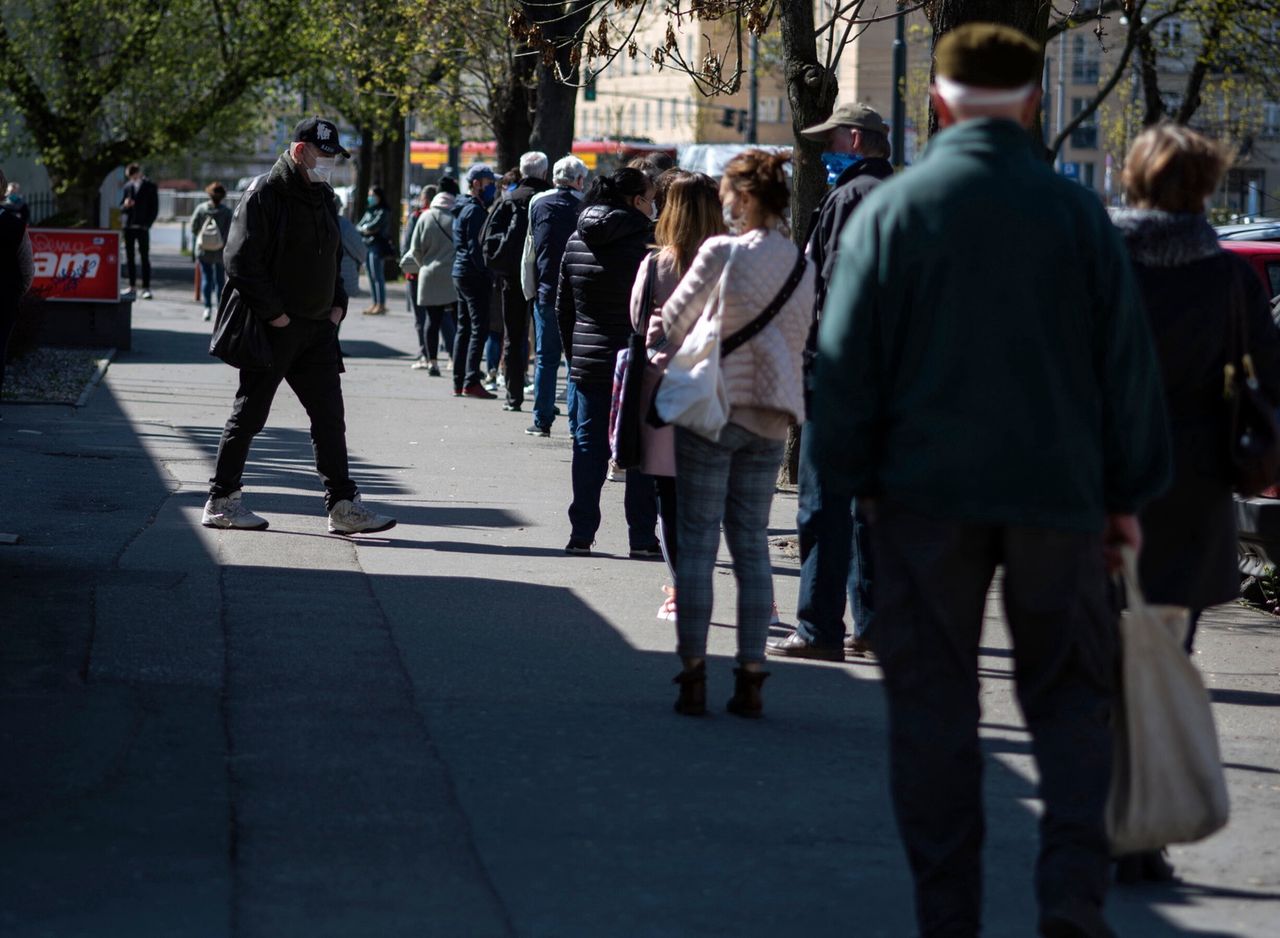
(835, 557)
(473, 281)
(283, 258)
(593, 307)
(375, 226)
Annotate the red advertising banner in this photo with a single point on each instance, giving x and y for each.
(76, 264)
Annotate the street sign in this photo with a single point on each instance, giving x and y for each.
(1071, 171)
(76, 264)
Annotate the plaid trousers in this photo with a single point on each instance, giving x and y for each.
(730, 480)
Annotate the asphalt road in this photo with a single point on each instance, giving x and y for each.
(453, 728)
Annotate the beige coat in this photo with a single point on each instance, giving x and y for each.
(765, 377)
(432, 247)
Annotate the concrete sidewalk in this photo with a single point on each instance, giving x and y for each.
(453, 728)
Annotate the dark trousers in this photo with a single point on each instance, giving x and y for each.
(307, 358)
(591, 467)
(429, 322)
(515, 347)
(8, 319)
(138, 240)
(835, 558)
(931, 590)
(473, 328)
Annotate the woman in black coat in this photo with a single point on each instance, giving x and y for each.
(593, 307)
(1193, 291)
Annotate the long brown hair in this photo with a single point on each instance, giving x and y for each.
(690, 215)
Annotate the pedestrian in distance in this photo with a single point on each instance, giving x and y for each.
(759, 285)
(553, 217)
(432, 249)
(353, 250)
(495, 339)
(420, 205)
(1196, 297)
(835, 555)
(14, 202)
(472, 280)
(283, 258)
(17, 270)
(987, 389)
(691, 214)
(210, 225)
(375, 227)
(593, 306)
(139, 207)
(505, 235)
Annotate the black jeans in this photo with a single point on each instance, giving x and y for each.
(428, 321)
(307, 358)
(8, 319)
(515, 347)
(474, 291)
(138, 239)
(931, 590)
(665, 487)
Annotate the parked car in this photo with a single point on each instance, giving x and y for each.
(1259, 229)
(1263, 257)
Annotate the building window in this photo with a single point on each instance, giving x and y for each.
(658, 120)
(1171, 34)
(646, 117)
(1271, 120)
(1088, 178)
(675, 118)
(1084, 137)
(631, 116)
(1084, 60)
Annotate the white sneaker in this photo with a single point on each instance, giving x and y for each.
(208, 313)
(351, 517)
(230, 512)
(146, 294)
(419, 364)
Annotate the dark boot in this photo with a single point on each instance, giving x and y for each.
(1149, 866)
(692, 701)
(746, 700)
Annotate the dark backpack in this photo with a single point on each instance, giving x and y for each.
(502, 240)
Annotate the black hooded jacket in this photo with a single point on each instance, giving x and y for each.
(284, 250)
(593, 303)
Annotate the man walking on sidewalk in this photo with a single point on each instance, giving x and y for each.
(139, 206)
(834, 553)
(987, 389)
(283, 259)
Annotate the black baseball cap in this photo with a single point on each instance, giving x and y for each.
(321, 134)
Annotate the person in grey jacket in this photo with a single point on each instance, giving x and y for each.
(206, 246)
(433, 250)
(353, 250)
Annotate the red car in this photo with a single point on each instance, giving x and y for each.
(1263, 257)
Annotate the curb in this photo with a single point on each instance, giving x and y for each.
(103, 365)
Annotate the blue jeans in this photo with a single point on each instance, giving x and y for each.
(212, 276)
(549, 350)
(377, 277)
(590, 467)
(835, 558)
(731, 480)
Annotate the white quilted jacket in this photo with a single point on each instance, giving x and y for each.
(766, 374)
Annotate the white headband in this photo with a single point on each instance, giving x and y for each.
(959, 95)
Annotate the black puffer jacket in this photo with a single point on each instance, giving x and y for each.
(593, 303)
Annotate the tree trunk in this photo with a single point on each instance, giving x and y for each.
(76, 197)
(512, 113)
(1152, 102)
(811, 90)
(554, 102)
(364, 174)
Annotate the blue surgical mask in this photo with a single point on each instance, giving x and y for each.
(488, 192)
(837, 163)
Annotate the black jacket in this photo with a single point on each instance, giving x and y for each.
(1189, 289)
(146, 204)
(507, 227)
(12, 230)
(469, 216)
(593, 305)
(284, 250)
(553, 221)
(854, 184)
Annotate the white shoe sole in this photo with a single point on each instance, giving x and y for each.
(382, 527)
(227, 526)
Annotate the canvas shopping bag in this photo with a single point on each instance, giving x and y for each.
(1167, 782)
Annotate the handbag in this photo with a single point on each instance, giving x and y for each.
(625, 417)
(409, 264)
(1167, 783)
(1253, 443)
(239, 337)
(692, 393)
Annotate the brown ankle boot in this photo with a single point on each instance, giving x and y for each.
(746, 700)
(692, 701)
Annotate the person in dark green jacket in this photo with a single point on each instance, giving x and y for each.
(986, 384)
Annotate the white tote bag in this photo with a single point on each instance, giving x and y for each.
(1167, 783)
(692, 393)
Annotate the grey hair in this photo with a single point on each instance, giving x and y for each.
(568, 170)
(533, 165)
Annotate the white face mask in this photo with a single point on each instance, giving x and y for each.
(731, 221)
(653, 211)
(323, 170)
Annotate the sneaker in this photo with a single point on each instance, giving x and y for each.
(796, 646)
(433, 370)
(129, 294)
(208, 313)
(229, 513)
(419, 364)
(536, 430)
(616, 474)
(476, 390)
(653, 552)
(491, 387)
(512, 408)
(578, 548)
(351, 517)
(457, 392)
(856, 648)
(146, 294)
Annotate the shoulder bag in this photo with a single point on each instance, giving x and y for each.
(625, 418)
(692, 393)
(1253, 443)
(239, 337)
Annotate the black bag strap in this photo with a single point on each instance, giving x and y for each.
(757, 325)
(646, 294)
